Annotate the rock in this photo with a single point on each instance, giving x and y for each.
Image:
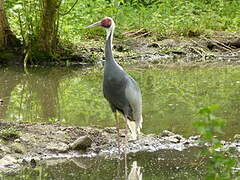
(1, 102)
(29, 162)
(179, 137)
(33, 163)
(57, 147)
(5, 149)
(165, 133)
(18, 148)
(237, 137)
(154, 45)
(25, 138)
(81, 143)
(17, 140)
(7, 160)
(174, 140)
(194, 138)
(235, 43)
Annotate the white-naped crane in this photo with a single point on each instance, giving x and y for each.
(119, 88)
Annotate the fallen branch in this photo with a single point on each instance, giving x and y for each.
(218, 44)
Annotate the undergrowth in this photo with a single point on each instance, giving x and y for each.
(159, 17)
(222, 162)
(165, 18)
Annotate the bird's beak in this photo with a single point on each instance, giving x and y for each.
(95, 24)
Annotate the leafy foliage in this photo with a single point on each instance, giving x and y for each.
(221, 161)
(157, 16)
(9, 133)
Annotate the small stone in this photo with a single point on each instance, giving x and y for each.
(237, 137)
(7, 160)
(179, 137)
(58, 147)
(174, 140)
(25, 138)
(194, 138)
(223, 142)
(81, 143)
(5, 149)
(24, 162)
(33, 163)
(154, 45)
(17, 140)
(18, 148)
(1, 102)
(165, 133)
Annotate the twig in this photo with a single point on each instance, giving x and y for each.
(141, 35)
(197, 43)
(63, 14)
(197, 51)
(131, 33)
(220, 43)
(216, 43)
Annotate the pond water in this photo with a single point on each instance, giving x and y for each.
(164, 164)
(172, 98)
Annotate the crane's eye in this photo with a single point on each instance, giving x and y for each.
(106, 22)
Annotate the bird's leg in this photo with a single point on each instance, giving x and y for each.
(125, 148)
(118, 134)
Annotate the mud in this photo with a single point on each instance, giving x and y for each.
(155, 49)
(34, 143)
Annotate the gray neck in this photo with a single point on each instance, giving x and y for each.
(108, 47)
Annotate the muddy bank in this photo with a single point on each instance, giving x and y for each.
(156, 49)
(29, 144)
(150, 49)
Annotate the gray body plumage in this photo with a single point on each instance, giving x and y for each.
(121, 90)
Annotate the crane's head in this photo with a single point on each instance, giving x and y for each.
(106, 23)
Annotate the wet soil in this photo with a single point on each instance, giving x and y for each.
(33, 143)
(144, 47)
(156, 49)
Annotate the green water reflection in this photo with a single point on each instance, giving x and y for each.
(171, 96)
(164, 164)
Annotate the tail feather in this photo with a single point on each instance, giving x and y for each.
(133, 129)
(139, 125)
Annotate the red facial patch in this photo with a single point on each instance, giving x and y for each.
(106, 22)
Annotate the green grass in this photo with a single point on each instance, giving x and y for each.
(165, 17)
(160, 17)
(8, 134)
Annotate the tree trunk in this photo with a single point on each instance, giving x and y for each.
(7, 39)
(2, 26)
(47, 37)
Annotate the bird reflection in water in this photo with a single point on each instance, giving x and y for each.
(135, 173)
